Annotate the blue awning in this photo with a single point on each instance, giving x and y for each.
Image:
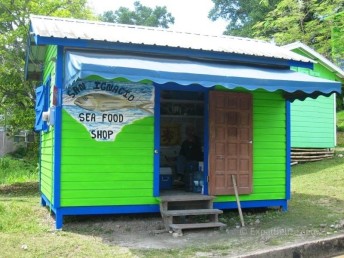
(184, 72)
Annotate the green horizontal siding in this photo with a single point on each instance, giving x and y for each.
(46, 169)
(312, 123)
(96, 201)
(102, 184)
(312, 120)
(95, 173)
(269, 149)
(121, 172)
(111, 193)
(92, 177)
(49, 64)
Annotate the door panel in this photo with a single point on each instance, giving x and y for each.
(230, 142)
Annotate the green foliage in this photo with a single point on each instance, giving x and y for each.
(340, 121)
(300, 21)
(241, 14)
(340, 139)
(13, 170)
(17, 95)
(337, 25)
(318, 24)
(142, 15)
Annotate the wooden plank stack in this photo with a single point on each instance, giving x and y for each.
(301, 155)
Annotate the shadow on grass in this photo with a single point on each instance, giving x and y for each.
(307, 209)
(309, 168)
(20, 189)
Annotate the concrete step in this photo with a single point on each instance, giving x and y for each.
(194, 212)
(174, 208)
(180, 227)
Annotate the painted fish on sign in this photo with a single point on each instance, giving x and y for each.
(105, 110)
(106, 102)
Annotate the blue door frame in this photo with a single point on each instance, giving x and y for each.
(177, 87)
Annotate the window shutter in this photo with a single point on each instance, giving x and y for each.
(42, 105)
(39, 108)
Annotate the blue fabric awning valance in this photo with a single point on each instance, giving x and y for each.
(185, 72)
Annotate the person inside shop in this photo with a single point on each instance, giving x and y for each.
(190, 153)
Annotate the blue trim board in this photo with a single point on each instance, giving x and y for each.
(121, 209)
(177, 87)
(40, 165)
(58, 129)
(47, 87)
(168, 51)
(301, 64)
(97, 210)
(153, 208)
(156, 183)
(46, 202)
(206, 143)
(186, 73)
(288, 150)
(252, 204)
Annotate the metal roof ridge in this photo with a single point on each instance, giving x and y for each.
(121, 25)
(320, 57)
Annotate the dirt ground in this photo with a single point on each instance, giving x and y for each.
(147, 232)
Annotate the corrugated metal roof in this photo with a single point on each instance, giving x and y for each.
(316, 57)
(53, 27)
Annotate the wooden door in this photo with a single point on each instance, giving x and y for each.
(230, 118)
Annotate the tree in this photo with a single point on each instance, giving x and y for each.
(284, 21)
(142, 15)
(17, 95)
(303, 20)
(241, 14)
(337, 36)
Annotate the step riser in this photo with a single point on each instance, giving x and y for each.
(190, 205)
(195, 219)
(191, 212)
(184, 198)
(179, 227)
(181, 212)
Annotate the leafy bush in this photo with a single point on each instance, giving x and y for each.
(340, 139)
(14, 170)
(340, 121)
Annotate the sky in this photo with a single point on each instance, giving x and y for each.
(190, 15)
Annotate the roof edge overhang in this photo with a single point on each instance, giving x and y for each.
(34, 58)
(316, 57)
(168, 51)
(81, 65)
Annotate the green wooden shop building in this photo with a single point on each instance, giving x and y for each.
(313, 121)
(115, 100)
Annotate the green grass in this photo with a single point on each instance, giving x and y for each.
(315, 208)
(26, 229)
(14, 170)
